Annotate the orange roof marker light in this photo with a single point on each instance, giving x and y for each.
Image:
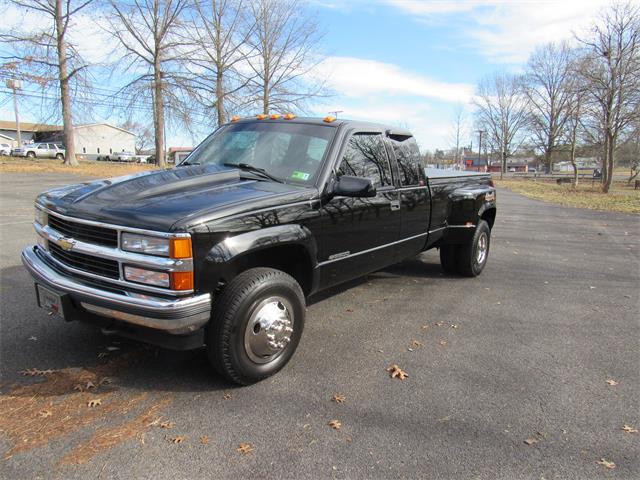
(262, 116)
(289, 116)
(329, 119)
(275, 116)
(235, 118)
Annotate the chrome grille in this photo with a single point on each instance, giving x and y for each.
(86, 263)
(83, 232)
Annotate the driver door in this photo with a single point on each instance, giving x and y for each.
(359, 234)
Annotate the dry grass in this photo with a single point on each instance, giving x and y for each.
(87, 169)
(621, 198)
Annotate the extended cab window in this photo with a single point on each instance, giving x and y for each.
(365, 157)
(408, 158)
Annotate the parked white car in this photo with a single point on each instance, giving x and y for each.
(40, 150)
(122, 157)
(5, 149)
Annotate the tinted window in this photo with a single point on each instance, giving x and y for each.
(42, 147)
(290, 151)
(408, 157)
(365, 157)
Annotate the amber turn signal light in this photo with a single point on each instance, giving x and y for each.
(181, 280)
(329, 119)
(275, 116)
(262, 116)
(289, 116)
(235, 118)
(180, 248)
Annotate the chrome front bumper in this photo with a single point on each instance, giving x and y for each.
(175, 316)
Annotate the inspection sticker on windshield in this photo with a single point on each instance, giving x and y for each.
(296, 175)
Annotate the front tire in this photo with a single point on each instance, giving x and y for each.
(256, 325)
(31, 155)
(472, 257)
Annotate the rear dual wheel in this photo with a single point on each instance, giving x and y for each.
(468, 259)
(256, 325)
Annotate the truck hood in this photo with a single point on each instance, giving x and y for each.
(170, 200)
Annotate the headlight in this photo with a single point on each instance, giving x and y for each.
(133, 242)
(41, 216)
(149, 277)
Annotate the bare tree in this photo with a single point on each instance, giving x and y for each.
(149, 33)
(285, 43)
(547, 87)
(458, 126)
(220, 32)
(48, 58)
(502, 111)
(143, 133)
(612, 76)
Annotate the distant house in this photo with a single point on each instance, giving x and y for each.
(178, 154)
(91, 140)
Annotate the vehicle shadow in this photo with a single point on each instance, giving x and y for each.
(62, 346)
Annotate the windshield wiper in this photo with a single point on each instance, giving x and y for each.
(250, 168)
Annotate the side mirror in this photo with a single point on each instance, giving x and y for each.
(348, 186)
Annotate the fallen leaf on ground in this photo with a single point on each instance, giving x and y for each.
(34, 372)
(335, 424)
(424, 327)
(33, 338)
(606, 463)
(338, 398)
(178, 439)
(94, 403)
(167, 425)
(454, 325)
(244, 448)
(531, 441)
(106, 381)
(204, 440)
(102, 354)
(89, 385)
(78, 387)
(350, 310)
(113, 349)
(629, 429)
(416, 343)
(439, 324)
(47, 413)
(227, 396)
(442, 343)
(396, 371)
(612, 382)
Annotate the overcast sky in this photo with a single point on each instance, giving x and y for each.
(404, 62)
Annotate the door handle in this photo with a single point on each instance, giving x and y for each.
(395, 205)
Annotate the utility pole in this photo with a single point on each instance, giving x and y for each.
(16, 85)
(480, 132)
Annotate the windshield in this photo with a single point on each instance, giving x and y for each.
(292, 152)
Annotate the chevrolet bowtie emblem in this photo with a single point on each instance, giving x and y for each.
(66, 243)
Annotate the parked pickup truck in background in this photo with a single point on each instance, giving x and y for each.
(40, 150)
(222, 250)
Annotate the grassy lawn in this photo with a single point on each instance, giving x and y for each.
(88, 169)
(621, 198)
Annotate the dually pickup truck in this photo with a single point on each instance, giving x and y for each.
(222, 250)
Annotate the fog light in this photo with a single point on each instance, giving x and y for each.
(149, 277)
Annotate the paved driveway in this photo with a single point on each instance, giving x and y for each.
(523, 352)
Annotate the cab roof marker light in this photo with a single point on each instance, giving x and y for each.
(235, 118)
(289, 116)
(261, 116)
(275, 116)
(329, 119)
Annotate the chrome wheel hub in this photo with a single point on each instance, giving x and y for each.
(483, 246)
(269, 329)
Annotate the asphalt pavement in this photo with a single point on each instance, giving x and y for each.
(529, 371)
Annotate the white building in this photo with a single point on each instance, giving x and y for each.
(91, 140)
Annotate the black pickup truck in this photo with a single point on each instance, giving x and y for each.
(222, 250)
